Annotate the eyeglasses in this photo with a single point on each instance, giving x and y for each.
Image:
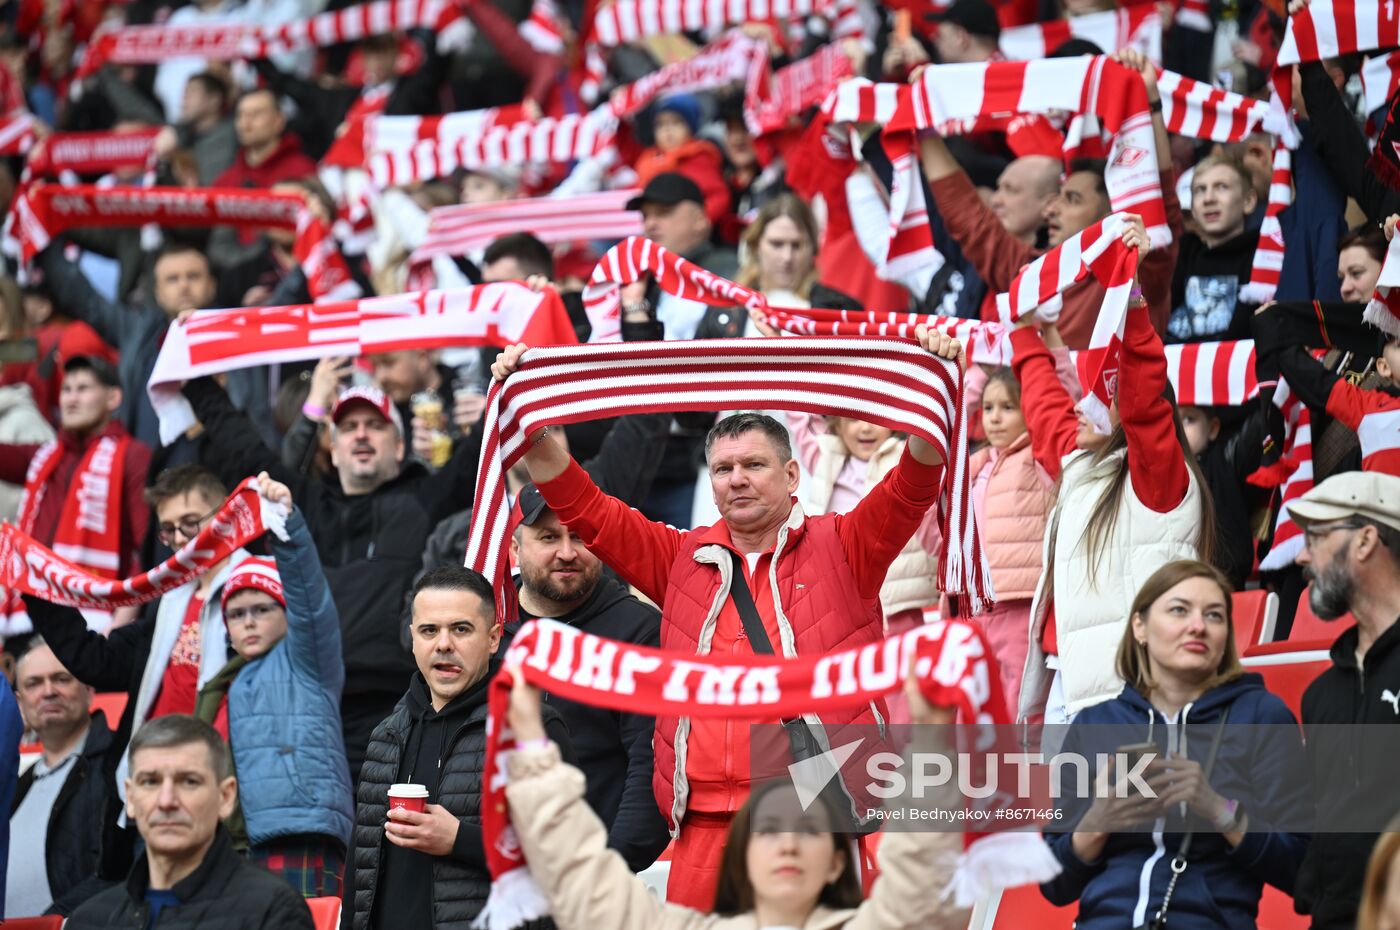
(189, 527)
(255, 612)
(1315, 534)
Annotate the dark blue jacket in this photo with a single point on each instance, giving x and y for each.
(1220, 888)
(284, 710)
(11, 729)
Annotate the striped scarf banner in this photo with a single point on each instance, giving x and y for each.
(985, 342)
(16, 133)
(802, 84)
(464, 228)
(1212, 374)
(1297, 451)
(1136, 27)
(892, 383)
(215, 341)
(1097, 250)
(1203, 111)
(1268, 255)
(1331, 28)
(1383, 311)
(731, 58)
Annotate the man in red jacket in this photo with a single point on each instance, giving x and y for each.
(815, 582)
(267, 153)
(83, 490)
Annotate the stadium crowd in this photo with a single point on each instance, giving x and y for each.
(286, 264)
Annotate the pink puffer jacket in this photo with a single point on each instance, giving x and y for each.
(1012, 497)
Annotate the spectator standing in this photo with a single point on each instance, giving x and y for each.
(428, 869)
(1351, 557)
(189, 875)
(702, 768)
(162, 659)
(1128, 503)
(83, 490)
(370, 522)
(204, 128)
(61, 799)
(282, 689)
(560, 579)
(1216, 257)
(1179, 660)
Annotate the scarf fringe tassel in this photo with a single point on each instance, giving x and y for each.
(999, 861)
(514, 900)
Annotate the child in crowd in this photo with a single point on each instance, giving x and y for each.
(282, 688)
(1128, 503)
(1227, 458)
(846, 458)
(677, 149)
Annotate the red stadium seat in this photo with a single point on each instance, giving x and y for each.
(1255, 612)
(53, 922)
(1276, 912)
(1288, 668)
(1025, 908)
(325, 912)
(1308, 626)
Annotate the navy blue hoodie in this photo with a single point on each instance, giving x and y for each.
(1220, 887)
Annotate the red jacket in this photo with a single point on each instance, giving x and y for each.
(286, 163)
(699, 160)
(135, 515)
(823, 596)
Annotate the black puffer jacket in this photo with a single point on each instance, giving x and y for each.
(403, 749)
(74, 842)
(224, 893)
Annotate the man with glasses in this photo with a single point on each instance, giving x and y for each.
(1351, 558)
(171, 651)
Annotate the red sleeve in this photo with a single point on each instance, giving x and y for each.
(1155, 461)
(1158, 267)
(1350, 404)
(1046, 405)
(996, 254)
(137, 516)
(875, 531)
(14, 460)
(640, 550)
(538, 69)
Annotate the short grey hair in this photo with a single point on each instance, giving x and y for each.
(174, 730)
(737, 424)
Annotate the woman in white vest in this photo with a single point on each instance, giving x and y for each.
(1128, 503)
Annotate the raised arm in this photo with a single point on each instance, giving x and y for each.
(76, 296)
(104, 662)
(1156, 461)
(233, 448)
(1046, 405)
(313, 623)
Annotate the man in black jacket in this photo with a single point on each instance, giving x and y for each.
(431, 874)
(370, 521)
(179, 789)
(61, 800)
(560, 579)
(1351, 526)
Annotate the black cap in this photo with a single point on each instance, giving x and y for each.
(531, 504)
(1075, 48)
(976, 16)
(670, 189)
(101, 369)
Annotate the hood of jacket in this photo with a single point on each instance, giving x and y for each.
(419, 700)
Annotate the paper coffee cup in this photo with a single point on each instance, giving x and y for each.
(408, 797)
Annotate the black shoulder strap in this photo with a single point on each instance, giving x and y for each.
(748, 613)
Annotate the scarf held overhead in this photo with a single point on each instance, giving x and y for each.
(28, 567)
(892, 383)
(951, 659)
(216, 341)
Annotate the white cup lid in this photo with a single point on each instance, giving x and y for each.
(407, 791)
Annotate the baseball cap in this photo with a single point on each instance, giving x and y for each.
(371, 395)
(101, 369)
(1371, 495)
(976, 16)
(531, 504)
(259, 573)
(669, 188)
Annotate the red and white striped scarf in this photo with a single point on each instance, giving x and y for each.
(796, 87)
(463, 228)
(1268, 255)
(543, 28)
(985, 342)
(545, 141)
(28, 567)
(89, 528)
(1212, 374)
(1297, 448)
(731, 58)
(327, 275)
(1383, 311)
(1331, 28)
(1097, 250)
(1194, 15)
(893, 383)
(16, 133)
(215, 341)
(140, 45)
(951, 658)
(1136, 27)
(1203, 111)
(1380, 79)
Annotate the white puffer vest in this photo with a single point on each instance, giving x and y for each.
(909, 584)
(1092, 606)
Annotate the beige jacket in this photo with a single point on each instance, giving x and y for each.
(590, 886)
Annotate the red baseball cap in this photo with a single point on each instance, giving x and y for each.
(372, 396)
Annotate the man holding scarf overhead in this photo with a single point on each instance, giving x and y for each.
(815, 583)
